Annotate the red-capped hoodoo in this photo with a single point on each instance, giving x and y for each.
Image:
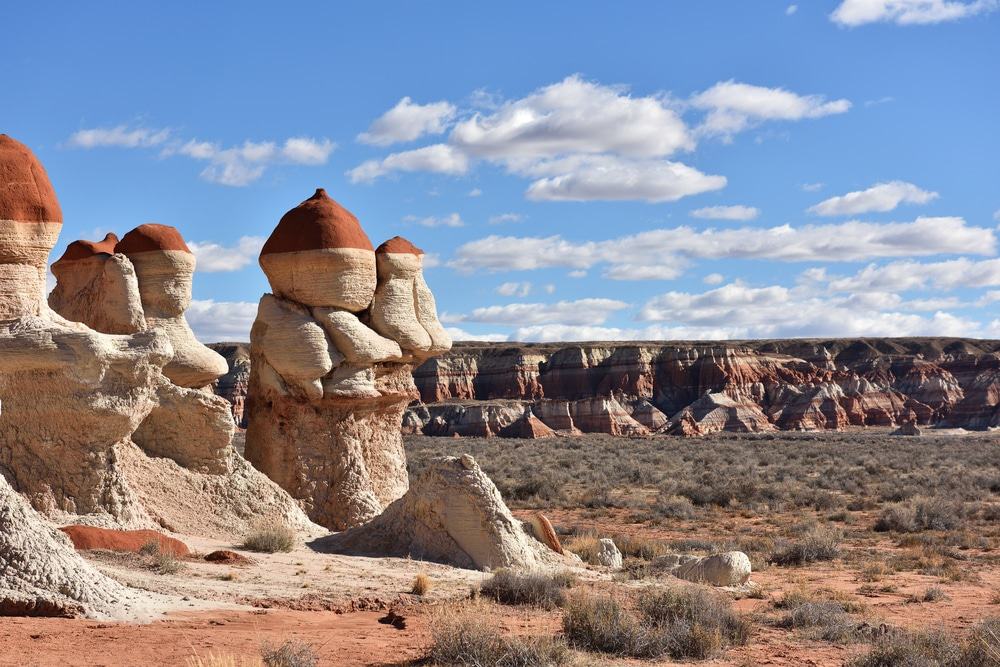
(26, 194)
(152, 237)
(318, 223)
(398, 245)
(86, 249)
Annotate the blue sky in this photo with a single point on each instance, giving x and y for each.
(583, 170)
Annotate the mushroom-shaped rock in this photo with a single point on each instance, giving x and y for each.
(403, 308)
(97, 287)
(30, 222)
(452, 514)
(318, 255)
(164, 266)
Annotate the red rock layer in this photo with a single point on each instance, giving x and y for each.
(26, 194)
(317, 223)
(398, 245)
(85, 249)
(86, 538)
(151, 237)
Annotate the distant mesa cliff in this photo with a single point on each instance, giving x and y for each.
(693, 388)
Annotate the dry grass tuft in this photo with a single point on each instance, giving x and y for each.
(532, 588)
(290, 653)
(818, 544)
(469, 636)
(222, 660)
(422, 584)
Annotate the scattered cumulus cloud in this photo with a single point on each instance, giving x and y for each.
(461, 334)
(506, 217)
(475, 192)
(120, 136)
(879, 198)
(812, 187)
(450, 220)
(853, 13)
(713, 279)
(235, 166)
(550, 288)
(436, 158)
(742, 213)
(213, 257)
(217, 321)
(514, 289)
(664, 252)
(906, 275)
(581, 311)
(733, 107)
(407, 122)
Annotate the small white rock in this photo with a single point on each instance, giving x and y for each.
(608, 554)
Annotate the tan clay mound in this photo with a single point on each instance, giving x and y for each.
(317, 223)
(151, 238)
(85, 249)
(452, 514)
(26, 195)
(87, 538)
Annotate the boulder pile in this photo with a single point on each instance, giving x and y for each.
(332, 350)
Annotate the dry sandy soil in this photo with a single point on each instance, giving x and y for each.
(757, 493)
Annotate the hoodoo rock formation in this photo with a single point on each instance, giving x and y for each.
(331, 358)
(453, 514)
(91, 429)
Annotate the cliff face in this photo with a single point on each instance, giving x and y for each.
(692, 388)
(701, 387)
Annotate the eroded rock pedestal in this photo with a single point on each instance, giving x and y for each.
(331, 356)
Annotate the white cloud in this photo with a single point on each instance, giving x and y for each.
(812, 187)
(853, 13)
(733, 107)
(235, 166)
(909, 275)
(881, 197)
(775, 311)
(408, 121)
(475, 192)
(577, 274)
(438, 158)
(514, 289)
(880, 101)
(713, 279)
(627, 255)
(581, 311)
(557, 333)
(726, 213)
(608, 178)
(791, 9)
(506, 217)
(550, 288)
(308, 151)
(217, 321)
(213, 257)
(120, 136)
(996, 215)
(450, 220)
(461, 334)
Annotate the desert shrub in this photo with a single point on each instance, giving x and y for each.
(668, 506)
(906, 649)
(982, 648)
(637, 546)
(290, 653)
(825, 619)
(532, 588)
(919, 514)
(469, 637)
(584, 545)
(818, 544)
(270, 538)
(165, 562)
(684, 623)
(422, 584)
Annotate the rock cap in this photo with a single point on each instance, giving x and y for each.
(86, 249)
(152, 237)
(26, 194)
(318, 223)
(398, 245)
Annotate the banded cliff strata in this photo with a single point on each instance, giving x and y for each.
(694, 388)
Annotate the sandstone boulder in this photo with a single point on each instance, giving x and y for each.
(731, 568)
(608, 554)
(452, 514)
